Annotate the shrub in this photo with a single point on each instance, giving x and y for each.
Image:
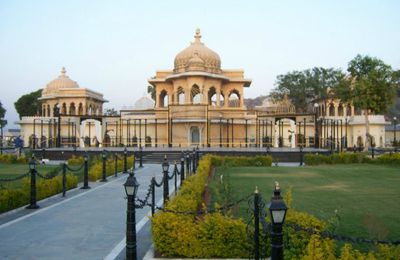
(238, 161)
(14, 198)
(76, 160)
(339, 158)
(96, 167)
(12, 158)
(393, 158)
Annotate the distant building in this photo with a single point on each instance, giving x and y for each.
(198, 103)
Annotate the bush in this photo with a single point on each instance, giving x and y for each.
(12, 158)
(14, 198)
(393, 158)
(96, 168)
(337, 158)
(238, 161)
(76, 160)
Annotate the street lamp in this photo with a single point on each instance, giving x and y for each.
(58, 125)
(32, 169)
(316, 136)
(277, 209)
(165, 168)
(131, 186)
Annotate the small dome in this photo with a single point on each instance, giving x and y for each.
(197, 57)
(143, 103)
(63, 81)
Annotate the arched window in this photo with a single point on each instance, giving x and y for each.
(234, 99)
(331, 109)
(64, 109)
(348, 110)
(72, 109)
(222, 99)
(181, 96)
(44, 110)
(357, 111)
(340, 110)
(163, 98)
(195, 95)
(212, 97)
(48, 111)
(80, 109)
(90, 110)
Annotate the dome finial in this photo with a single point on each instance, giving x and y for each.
(63, 71)
(197, 36)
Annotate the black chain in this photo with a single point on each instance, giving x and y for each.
(159, 184)
(48, 177)
(15, 178)
(172, 175)
(75, 170)
(144, 202)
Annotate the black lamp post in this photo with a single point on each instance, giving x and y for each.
(131, 186)
(125, 160)
(32, 169)
(165, 168)
(86, 173)
(277, 209)
(182, 168)
(394, 139)
(104, 156)
(316, 135)
(58, 126)
(140, 156)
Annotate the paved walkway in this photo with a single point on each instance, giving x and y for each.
(87, 224)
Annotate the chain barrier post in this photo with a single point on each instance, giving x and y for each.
(126, 160)
(104, 177)
(140, 156)
(165, 168)
(116, 165)
(86, 173)
(301, 155)
(43, 153)
(256, 225)
(64, 179)
(187, 165)
(197, 156)
(194, 162)
(153, 195)
(373, 152)
(32, 168)
(176, 177)
(182, 169)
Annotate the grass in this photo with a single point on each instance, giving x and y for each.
(366, 196)
(15, 170)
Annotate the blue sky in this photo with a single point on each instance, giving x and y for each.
(114, 46)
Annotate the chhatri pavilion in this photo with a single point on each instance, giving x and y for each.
(197, 103)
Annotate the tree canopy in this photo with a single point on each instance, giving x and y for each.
(305, 87)
(3, 122)
(28, 104)
(370, 84)
(152, 90)
(111, 112)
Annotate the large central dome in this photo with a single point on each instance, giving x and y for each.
(197, 57)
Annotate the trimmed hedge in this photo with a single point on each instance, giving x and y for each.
(347, 158)
(239, 161)
(14, 198)
(12, 158)
(96, 168)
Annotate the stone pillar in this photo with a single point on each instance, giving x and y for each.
(218, 94)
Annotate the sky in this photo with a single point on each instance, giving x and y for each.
(113, 47)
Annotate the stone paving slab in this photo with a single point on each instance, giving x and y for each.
(87, 224)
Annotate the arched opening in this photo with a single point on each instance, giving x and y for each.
(80, 109)
(195, 96)
(163, 98)
(48, 111)
(43, 141)
(212, 97)
(331, 109)
(234, 99)
(360, 142)
(340, 109)
(357, 111)
(323, 110)
(348, 110)
(90, 110)
(64, 109)
(43, 110)
(181, 96)
(195, 135)
(72, 109)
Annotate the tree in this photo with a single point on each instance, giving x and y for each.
(28, 104)
(305, 87)
(369, 86)
(111, 112)
(152, 90)
(3, 122)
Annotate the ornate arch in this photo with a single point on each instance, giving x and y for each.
(331, 109)
(234, 98)
(212, 96)
(195, 94)
(163, 98)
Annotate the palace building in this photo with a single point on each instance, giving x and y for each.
(197, 103)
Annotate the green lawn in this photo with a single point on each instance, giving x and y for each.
(14, 170)
(366, 196)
